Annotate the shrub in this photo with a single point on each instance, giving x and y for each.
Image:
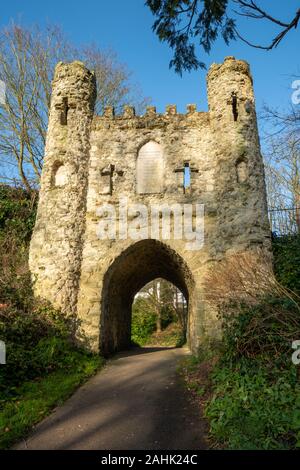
(143, 322)
(287, 261)
(37, 341)
(259, 316)
(17, 212)
(256, 397)
(265, 329)
(254, 407)
(38, 338)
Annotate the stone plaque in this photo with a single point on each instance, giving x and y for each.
(150, 166)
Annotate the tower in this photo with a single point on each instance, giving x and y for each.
(239, 176)
(56, 245)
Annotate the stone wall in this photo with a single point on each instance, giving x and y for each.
(98, 278)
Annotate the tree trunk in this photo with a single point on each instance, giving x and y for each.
(158, 321)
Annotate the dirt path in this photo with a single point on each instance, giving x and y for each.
(136, 402)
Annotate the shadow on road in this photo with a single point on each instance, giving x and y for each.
(138, 350)
(136, 402)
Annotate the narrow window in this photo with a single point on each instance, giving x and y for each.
(234, 103)
(64, 112)
(187, 176)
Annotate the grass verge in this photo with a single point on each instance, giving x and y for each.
(172, 336)
(33, 400)
(248, 404)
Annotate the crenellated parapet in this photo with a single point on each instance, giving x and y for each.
(151, 118)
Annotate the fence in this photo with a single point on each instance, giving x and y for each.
(285, 221)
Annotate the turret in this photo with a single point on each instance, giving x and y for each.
(55, 253)
(230, 92)
(240, 185)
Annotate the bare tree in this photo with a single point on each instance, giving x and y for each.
(160, 294)
(27, 61)
(253, 10)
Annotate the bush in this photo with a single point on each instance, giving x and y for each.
(264, 330)
(143, 322)
(259, 317)
(37, 341)
(255, 401)
(256, 397)
(38, 338)
(167, 316)
(254, 407)
(17, 217)
(17, 212)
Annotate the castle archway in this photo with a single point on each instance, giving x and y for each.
(139, 264)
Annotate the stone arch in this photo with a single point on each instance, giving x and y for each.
(149, 168)
(130, 271)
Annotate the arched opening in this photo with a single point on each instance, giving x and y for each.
(159, 315)
(149, 169)
(60, 174)
(139, 264)
(241, 170)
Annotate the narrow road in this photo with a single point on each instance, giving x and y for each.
(136, 402)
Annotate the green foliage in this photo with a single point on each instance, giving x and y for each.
(17, 217)
(179, 22)
(33, 400)
(44, 366)
(171, 336)
(143, 325)
(17, 213)
(287, 261)
(143, 322)
(185, 24)
(167, 316)
(255, 407)
(256, 396)
(263, 330)
(255, 402)
(38, 341)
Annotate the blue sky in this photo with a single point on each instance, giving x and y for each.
(125, 25)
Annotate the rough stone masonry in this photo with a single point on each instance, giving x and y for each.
(91, 160)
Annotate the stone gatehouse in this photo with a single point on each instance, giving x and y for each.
(93, 160)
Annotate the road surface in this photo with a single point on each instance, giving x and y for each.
(136, 402)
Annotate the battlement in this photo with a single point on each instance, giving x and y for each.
(129, 111)
(151, 118)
